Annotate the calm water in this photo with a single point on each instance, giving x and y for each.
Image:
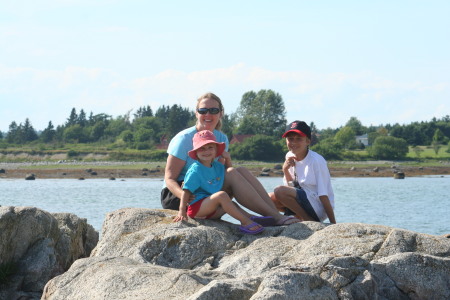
(418, 203)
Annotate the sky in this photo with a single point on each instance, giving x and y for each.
(383, 62)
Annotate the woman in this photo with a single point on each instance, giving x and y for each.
(239, 182)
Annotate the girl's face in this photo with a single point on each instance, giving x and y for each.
(207, 121)
(207, 153)
(296, 143)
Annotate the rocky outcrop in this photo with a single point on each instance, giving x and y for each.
(36, 246)
(144, 255)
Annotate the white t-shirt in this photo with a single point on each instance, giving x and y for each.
(314, 177)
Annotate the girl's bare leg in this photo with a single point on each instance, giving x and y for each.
(221, 201)
(247, 195)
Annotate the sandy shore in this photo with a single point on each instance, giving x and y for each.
(135, 170)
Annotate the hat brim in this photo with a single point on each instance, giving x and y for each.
(220, 149)
(294, 130)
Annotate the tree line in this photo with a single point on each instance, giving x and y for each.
(261, 114)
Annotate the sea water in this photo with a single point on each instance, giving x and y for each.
(416, 203)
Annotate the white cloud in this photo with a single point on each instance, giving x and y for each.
(329, 100)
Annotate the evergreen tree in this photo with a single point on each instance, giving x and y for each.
(82, 118)
(12, 132)
(73, 118)
(49, 133)
(29, 134)
(144, 111)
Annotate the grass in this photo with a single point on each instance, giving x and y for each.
(427, 152)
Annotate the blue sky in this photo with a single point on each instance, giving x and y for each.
(380, 61)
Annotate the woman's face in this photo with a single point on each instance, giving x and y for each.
(207, 121)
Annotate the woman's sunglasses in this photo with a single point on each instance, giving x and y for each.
(212, 111)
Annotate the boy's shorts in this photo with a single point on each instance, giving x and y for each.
(193, 209)
(303, 201)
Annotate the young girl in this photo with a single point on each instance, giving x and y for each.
(307, 192)
(204, 179)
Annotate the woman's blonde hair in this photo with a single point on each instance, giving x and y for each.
(214, 97)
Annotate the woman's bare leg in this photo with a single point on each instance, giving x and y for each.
(245, 193)
(256, 184)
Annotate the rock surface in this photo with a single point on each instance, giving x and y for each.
(144, 255)
(40, 246)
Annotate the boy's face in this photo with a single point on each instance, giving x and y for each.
(297, 143)
(207, 152)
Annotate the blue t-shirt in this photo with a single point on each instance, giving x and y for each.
(204, 181)
(181, 144)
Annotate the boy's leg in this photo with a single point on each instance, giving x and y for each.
(277, 202)
(287, 196)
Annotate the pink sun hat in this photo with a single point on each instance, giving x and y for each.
(202, 138)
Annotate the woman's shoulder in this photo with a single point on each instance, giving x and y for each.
(186, 133)
(220, 136)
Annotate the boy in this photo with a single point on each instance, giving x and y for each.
(307, 191)
(204, 179)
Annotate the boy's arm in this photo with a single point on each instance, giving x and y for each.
(288, 163)
(182, 214)
(328, 209)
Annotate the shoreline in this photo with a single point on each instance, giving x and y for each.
(117, 170)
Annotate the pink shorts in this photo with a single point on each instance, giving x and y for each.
(193, 209)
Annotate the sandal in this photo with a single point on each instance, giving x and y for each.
(264, 221)
(247, 230)
(287, 220)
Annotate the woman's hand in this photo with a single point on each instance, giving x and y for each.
(225, 159)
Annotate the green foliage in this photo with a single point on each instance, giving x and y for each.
(261, 113)
(346, 137)
(417, 150)
(388, 147)
(329, 148)
(72, 153)
(356, 125)
(436, 147)
(258, 147)
(75, 133)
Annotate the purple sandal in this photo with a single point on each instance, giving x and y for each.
(264, 221)
(247, 230)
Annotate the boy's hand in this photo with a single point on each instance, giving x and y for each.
(289, 162)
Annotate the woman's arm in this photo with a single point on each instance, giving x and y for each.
(328, 209)
(173, 169)
(226, 159)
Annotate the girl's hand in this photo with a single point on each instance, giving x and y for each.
(182, 215)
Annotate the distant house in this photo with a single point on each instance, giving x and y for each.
(163, 143)
(239, 138)
(362, 139)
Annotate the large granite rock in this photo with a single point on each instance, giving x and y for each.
(144, 255)
(37, 246)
